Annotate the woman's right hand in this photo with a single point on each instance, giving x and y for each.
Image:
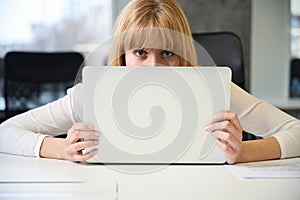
(80, 136)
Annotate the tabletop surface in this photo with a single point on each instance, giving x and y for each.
(33, 178)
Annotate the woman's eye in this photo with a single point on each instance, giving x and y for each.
(140, 53)
(167, 53)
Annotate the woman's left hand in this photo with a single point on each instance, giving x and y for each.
(227, 129)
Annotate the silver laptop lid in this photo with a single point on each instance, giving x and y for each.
(155, 114)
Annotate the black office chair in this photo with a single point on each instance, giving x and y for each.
(225, 48)
(32, 79)
(295, 78)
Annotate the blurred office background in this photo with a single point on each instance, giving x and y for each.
(269, 31)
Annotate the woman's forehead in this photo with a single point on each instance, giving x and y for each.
(152, 37)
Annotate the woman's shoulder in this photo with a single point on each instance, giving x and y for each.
(75, 97)
(76, 90)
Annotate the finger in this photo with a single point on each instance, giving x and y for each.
(84, 157)
(227, 139)
(233, 121)
(225, 126)
(79, 131)
(230, 116)
(72, 137)
(80, 135)
(221, 126)
(228, 151)
(89, 134)
(79, 146)
(84, 126)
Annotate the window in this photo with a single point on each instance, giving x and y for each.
(295, 49)
(47, 25)
(295, 28)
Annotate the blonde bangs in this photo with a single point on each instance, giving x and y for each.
(150, 37)
(148, 24)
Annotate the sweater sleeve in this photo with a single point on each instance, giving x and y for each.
(24, 133)
(263, 119)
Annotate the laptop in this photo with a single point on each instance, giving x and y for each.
(155, 115)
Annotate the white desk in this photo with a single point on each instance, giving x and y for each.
(33, 178)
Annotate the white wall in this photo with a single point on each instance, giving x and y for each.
(270, 49)
(295, 7)
(118, 5)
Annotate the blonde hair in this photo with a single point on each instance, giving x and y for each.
(141, 20)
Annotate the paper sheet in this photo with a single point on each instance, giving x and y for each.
(287, 168)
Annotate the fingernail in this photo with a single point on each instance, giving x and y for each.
(96, 142)
(95, 151)
(206, 128)
(91, 127)
(97, 134)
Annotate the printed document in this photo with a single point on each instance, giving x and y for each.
(286, 168)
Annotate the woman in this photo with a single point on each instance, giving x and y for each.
(31, 133)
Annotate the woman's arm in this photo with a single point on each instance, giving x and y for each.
(24, 134)
(71, 147)
(52, 148)
(228, 130)
(256, 150)
(263, 119)
(281, 132)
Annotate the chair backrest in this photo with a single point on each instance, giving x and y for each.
(295, 78)
(32, 79)
(225, 49)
